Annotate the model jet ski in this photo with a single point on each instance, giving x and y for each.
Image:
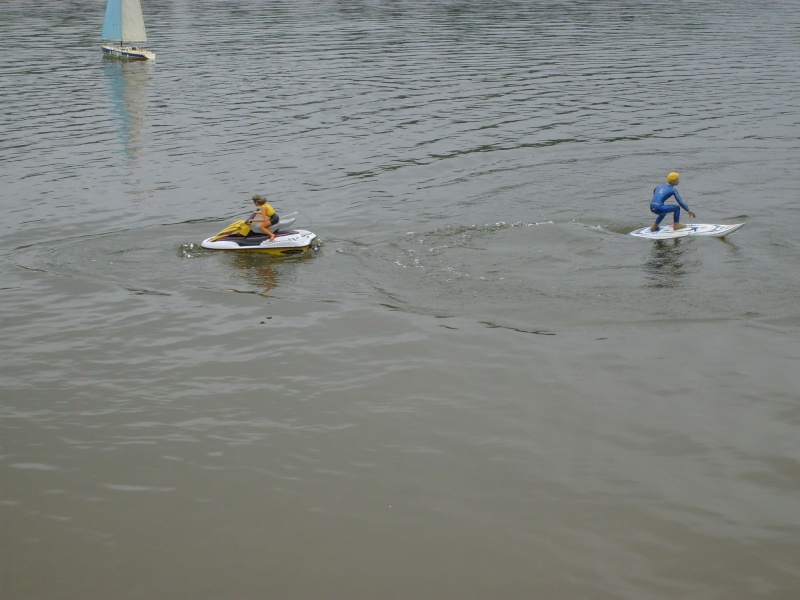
(240, 237)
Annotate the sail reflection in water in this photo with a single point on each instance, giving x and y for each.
(128, 82)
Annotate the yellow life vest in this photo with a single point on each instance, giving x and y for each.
(265, 211)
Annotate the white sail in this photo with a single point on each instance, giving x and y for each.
(132, 21)
(124, 21)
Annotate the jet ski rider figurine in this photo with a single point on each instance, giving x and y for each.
(264, 215)
(661, 194)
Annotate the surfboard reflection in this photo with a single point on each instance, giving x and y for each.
(667, 264)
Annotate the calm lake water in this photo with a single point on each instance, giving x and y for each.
(479, 387)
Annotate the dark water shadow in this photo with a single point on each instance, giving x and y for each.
(493, 325)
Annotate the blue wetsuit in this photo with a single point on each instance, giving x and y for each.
(661, 194)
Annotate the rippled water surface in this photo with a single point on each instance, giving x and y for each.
(479, 387)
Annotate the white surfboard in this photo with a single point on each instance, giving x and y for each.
(665, 232)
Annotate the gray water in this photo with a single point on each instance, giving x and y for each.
(479, 387)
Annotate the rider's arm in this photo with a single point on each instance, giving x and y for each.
(680, 201)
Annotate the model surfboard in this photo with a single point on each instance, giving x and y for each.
(665, 232)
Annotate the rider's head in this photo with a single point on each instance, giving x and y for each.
(673, 178)
(259, 200)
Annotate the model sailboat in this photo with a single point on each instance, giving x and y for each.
(122, 27)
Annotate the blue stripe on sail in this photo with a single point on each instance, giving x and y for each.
(112, 25)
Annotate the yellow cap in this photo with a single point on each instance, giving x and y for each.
(673, 177)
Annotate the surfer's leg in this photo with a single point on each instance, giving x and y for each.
(273, 220)
(664, 210)
(266, 230)
(661, 212)
(263, 227)
(676, 217)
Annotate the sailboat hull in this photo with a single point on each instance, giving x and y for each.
(128, 52)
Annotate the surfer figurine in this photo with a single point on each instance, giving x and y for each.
(264, 215)
(661, 194)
